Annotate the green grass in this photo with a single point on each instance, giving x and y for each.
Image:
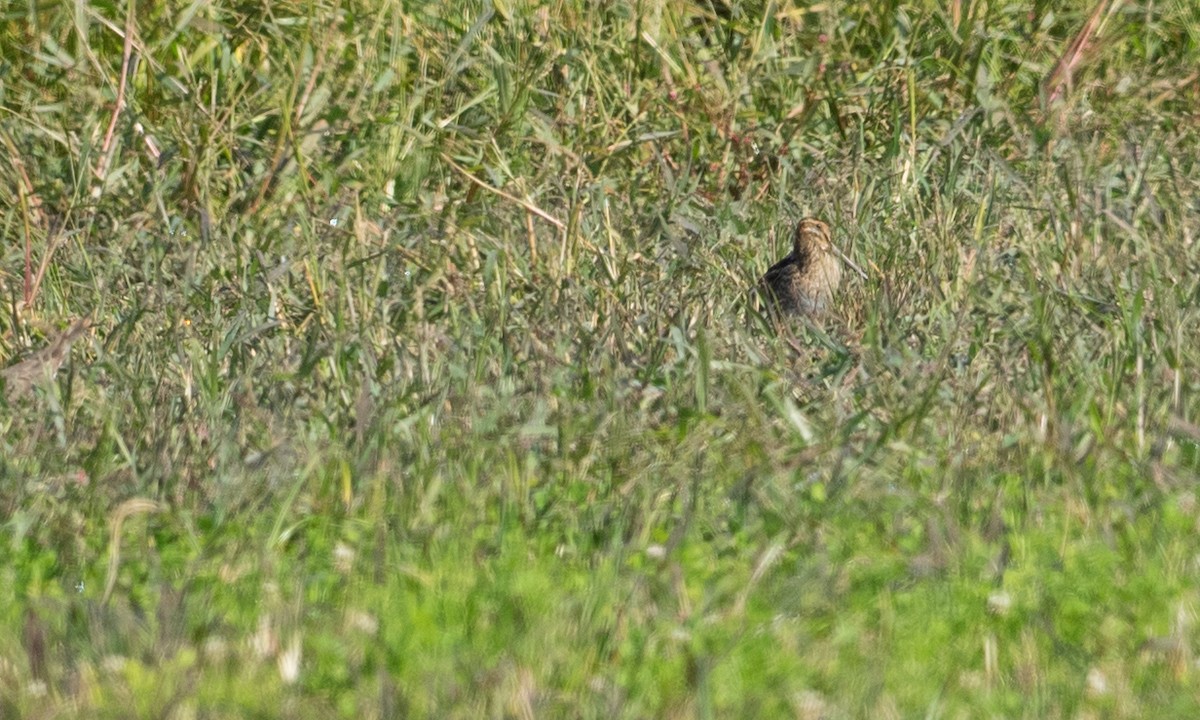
(422, 356)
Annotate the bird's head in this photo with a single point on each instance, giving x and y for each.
(812, 236)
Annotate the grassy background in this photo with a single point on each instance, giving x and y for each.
(422, 381)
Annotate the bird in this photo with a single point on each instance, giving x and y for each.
(804, 282)
(42, 365)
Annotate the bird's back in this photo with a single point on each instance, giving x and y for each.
(803, 285)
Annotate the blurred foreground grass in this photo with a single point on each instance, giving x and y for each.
(422, 382)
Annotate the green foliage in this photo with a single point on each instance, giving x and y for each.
(423, 325)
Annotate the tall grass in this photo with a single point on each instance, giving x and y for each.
(423, 380)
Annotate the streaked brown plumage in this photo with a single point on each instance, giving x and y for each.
(803, 283)
(42, 365)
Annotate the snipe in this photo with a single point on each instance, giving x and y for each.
(42, 365)
(804, 282)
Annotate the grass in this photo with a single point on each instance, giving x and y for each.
(423, 382)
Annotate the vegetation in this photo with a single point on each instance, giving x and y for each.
(422, 381)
